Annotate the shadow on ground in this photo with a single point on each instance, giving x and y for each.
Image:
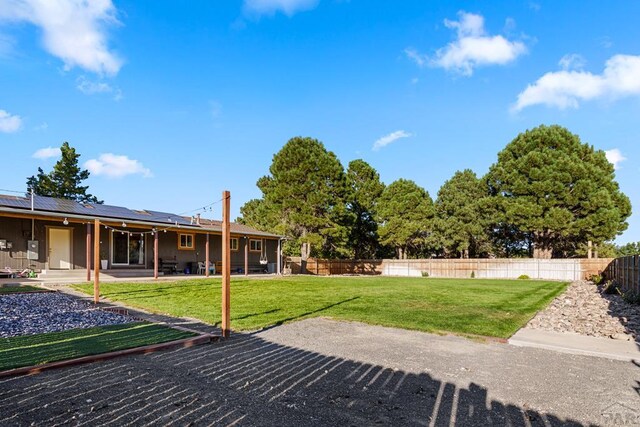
(250, 381)
(627, 314)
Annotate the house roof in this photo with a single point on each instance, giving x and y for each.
(50, 205)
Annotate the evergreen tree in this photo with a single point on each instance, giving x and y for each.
(460, 225)
(304, 198)
(631, 248)
(405, 214)
(64, 180)
(365, 189)
(559, 191)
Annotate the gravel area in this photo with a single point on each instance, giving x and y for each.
(585, 310)
(26, 314)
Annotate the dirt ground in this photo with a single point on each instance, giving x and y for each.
(319, 372)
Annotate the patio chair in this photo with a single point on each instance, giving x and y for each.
(201, 268)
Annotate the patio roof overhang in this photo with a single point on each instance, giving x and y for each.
(116, 222)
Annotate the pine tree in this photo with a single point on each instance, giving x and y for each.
(460, 225)
(304, 198)
(405, 213)
(560, 192)
(64, 180)
(365, 188)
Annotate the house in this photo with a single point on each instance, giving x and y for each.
(49, 234)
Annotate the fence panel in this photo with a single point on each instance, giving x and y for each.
(507, 268)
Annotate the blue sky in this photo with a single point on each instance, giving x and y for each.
(169, 105)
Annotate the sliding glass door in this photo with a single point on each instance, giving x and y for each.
(127, 248)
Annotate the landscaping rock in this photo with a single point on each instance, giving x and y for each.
(26, 314)
(585, 310)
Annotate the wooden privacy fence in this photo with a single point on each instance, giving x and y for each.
(625, 272)
(328, 267)
(507, 268)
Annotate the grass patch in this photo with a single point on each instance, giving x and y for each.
(19, 289)
(29, 350)
(495, 308)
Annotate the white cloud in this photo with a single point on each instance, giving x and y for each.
(572, 61)
(46, 153)
(566, 88)
(388, 139)
(472, 48)
(615, 157)
(420, 59)
(42, 127)
(115, 166)
(270, 7)
(89, 88)
(9, 123)
(72, 30)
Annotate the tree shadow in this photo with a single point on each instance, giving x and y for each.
(248, 380)
(627, 314)
(307, 313)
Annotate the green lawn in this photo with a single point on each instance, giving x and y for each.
(29, 350)
(16, 289)
(464, 306)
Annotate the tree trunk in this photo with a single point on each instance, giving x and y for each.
(305, 251)
(542, 245)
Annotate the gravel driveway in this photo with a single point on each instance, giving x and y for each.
(322, 372)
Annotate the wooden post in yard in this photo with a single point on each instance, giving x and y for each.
(96, 261)
(88, 249)
(226, 265)
(206, 258)
(156, 236)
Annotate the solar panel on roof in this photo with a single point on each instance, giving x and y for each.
(51, 204)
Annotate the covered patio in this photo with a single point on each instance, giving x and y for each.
(64, 239)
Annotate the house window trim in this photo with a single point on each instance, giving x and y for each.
(187, 248)
(255, 250)
(237, 248)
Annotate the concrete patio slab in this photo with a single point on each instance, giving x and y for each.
(567, 342)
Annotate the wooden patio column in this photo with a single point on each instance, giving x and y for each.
(246, 256)
(206, 258)
(88, 249)
(279, 257)
(226, 265)
(156, 235)
(96, 262)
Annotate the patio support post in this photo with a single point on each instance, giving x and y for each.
(88, 249)
(279, 256)
(156, 235)
(226, 265)
(96, 261)
(246, 256)
(206, 258)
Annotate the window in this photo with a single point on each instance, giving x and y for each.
(255, 245)
(234, 243)
(185, 241)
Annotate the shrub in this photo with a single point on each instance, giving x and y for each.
(631, 298)
(524, 277)
(473, 274)
(596, 278)
(425, 274)
(610, 288)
